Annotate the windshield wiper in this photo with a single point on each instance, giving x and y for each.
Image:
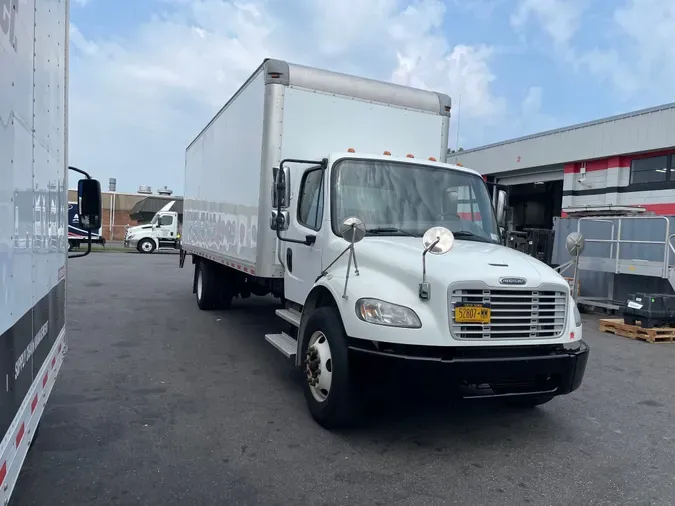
(388, 230)
(465, 234)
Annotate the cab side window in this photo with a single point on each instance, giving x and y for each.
(310, 205)
(166, 220)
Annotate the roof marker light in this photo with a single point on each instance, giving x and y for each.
(387, 153)
(409, 155)
(351, 150)
(432, 159)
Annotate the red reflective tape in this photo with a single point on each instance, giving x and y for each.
(59, 347)
(44, 380)
(53, 362)
(3, 472)
(33, 404)
(19, 435)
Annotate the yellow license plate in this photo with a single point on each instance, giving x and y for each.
(472, 314)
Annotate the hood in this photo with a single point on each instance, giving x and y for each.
(466, 261)
(138, 228)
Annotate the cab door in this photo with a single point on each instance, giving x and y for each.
(303, 262)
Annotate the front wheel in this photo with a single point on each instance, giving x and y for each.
(146, 246)
(327, 385)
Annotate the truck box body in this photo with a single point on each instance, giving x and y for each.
(286, 110)
(33, 219)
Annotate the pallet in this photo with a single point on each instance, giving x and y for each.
(653, 335)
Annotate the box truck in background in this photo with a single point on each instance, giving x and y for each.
(331, 192)
(76, 234)
(33, 219)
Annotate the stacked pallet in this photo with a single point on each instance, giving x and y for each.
(652, 335)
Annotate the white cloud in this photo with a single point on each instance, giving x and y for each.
(559, 18)
(634, 52)
(136, 103)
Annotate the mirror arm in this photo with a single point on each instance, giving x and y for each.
(80, 255)
(80, 171)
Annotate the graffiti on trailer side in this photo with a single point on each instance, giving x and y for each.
(9, 9)
(40, 220)
(232, 232)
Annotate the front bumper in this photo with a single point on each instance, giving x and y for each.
(130, 243)
(489, 371)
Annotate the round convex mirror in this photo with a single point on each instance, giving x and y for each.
(575, 243)
(353, 230)
(446, 240)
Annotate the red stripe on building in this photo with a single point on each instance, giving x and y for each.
(19, 435)
(660, 208)
(33, 404)
(3, 473)
(44, 380)
(602, 164)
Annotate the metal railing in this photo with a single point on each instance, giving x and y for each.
(618, 241)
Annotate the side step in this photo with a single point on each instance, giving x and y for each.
(284, 343)
(289, 315)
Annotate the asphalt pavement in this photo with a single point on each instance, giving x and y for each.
(159, 403)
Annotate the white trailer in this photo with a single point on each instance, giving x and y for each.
(299, 166)
(33, 219)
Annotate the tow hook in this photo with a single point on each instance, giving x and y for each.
(313, 362)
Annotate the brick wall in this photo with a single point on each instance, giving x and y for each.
(121, 219)
(123, 204)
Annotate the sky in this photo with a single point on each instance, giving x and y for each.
(147, 75)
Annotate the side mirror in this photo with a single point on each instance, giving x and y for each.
(500, 207)
(89, 204)
(281, 188)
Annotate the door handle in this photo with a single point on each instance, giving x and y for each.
(289, 259)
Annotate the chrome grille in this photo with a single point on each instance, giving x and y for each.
(515, 314)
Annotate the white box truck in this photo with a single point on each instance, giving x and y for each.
(331, 192)
(33, 219)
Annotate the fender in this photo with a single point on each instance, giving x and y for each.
(320, 291)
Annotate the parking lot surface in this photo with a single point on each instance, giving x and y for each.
(159, 403)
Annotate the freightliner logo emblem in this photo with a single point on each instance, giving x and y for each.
(512, 281)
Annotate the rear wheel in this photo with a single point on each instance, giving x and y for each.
(327, 386)
(211, 291)
(146, 246)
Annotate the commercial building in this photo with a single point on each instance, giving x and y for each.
(616, 165)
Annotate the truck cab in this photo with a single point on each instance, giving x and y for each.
(161, 232)
(403, 259)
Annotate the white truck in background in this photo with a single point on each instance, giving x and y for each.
(34, 219)
(162, 232)
(331, 192)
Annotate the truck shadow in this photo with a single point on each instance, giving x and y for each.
(402, 405)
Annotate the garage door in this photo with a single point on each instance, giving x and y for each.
(554, 173)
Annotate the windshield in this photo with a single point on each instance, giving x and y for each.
(396, 198)
(154, 219)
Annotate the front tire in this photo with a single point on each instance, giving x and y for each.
(327, 384)
(146, 246)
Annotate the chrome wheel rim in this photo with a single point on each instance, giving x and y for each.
(319, 366)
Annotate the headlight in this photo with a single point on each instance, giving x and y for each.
(385, 313)
(577, 314)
